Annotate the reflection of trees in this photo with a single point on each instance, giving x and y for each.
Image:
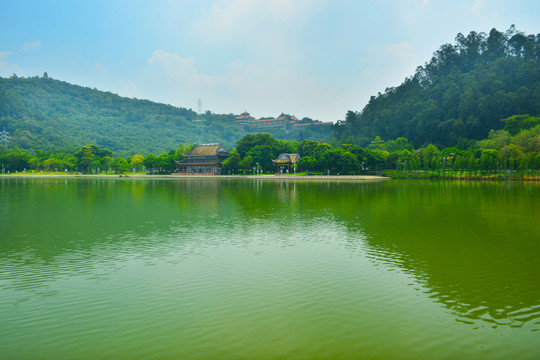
(471, 245)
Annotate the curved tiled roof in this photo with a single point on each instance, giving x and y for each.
(287, 158)
(208, 150)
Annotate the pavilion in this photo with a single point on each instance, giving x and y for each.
(285, 161)
(204, 159)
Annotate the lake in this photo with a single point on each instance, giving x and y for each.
(263, 269)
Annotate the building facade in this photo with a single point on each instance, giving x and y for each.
(205, 159)
(243, 119)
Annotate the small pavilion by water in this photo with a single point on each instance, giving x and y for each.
(285, 162)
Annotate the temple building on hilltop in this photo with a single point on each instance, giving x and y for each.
(205, 159)
(243, 119)
(283, 121)
(285, 161)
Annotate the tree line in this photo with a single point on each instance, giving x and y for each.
(515, 147)
(89, 159)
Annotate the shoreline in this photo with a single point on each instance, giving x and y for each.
(187, 177)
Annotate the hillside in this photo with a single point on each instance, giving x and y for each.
(47, 114)
(461, 94)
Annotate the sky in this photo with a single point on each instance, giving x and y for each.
(308, 58)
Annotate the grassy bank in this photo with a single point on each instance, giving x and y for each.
(504, 175)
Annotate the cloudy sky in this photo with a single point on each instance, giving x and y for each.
(315, 58)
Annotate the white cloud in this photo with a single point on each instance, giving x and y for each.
(31, 45)
(266, 29)
(477, 7)
(7, 69)
(230, 18)
(411, 10)
(177, 73)
(3, 54)
(101, 71)
(261, 90)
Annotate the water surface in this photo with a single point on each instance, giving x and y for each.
(136, 268)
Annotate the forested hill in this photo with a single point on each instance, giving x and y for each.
(463, 92)
(47, 114)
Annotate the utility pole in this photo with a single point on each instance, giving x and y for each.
(4, 135)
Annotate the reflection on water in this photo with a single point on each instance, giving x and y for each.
(472, 246)
(269, 269)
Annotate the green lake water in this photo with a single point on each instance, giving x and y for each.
(247, 269)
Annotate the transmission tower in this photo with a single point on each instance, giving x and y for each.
(4, 135)
(198, 121)
(199, 106)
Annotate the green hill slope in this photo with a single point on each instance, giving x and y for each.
(462, 93)
(47, 114)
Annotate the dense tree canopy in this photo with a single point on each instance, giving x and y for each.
(47, 114)
(460, 94)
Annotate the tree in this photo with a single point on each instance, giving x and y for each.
(352, 122)
(150, 162)
(263, 155)
(232, 162)
(246, 162)
(85, 156)
(431, 157)
(400, 143)
(308, 163)
(120, 165)
(136, 161)
(106, 162)
(488, 159)
(182, 149)
(165, 162)
(249, 141)
(511, 156)
(16, 160)
(377, 143)
(347, 162)
(514, 124)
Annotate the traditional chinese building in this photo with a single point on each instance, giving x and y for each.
(243, 119)
(203, 159)
(283, 121)
(285, 161)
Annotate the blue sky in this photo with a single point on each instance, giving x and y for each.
(315, 58)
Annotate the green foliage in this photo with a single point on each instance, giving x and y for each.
(514, 124)
(232, 162)
(461, 93)
(246, 162)
(47, 114)
(249, 141)
(500, 151)
(136, 161)
(262, 155)
(308, 163)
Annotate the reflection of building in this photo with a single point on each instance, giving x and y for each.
(203, 159)
(284, 161)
